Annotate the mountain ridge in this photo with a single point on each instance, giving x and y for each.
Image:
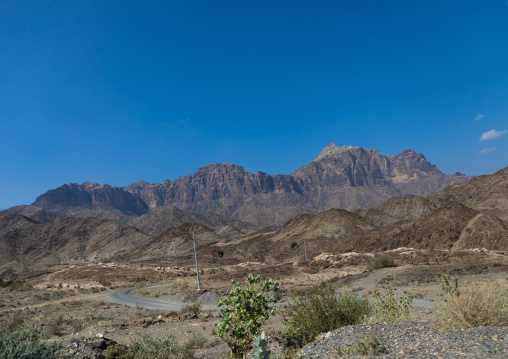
(346, 177)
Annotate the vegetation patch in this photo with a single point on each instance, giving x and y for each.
(244, 312)
(26, 344)
(388, 308)
(319, 311)
(381, 262)
(194, 308)
(153, 348)
(474, 307)
(368, 345)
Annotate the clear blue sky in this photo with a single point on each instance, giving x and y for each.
(116, 91)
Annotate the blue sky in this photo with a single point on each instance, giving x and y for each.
(116, 91)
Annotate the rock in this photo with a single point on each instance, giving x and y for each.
(90, 348)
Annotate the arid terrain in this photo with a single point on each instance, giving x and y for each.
(62, 270)
(72, 303)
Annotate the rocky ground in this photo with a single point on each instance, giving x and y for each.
(70, 305)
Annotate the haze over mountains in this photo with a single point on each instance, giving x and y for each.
(340, 177)
(156, 218)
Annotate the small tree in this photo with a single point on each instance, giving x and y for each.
(244, 311)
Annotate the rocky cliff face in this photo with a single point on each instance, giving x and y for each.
(343, 177)
(92, 195)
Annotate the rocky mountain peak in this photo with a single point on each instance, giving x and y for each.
(333, 150)
(138, 185)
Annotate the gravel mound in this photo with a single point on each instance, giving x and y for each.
(418, 340)
(211, 298)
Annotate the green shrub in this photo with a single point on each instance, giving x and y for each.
(194, 342)
(194, 308)
(388, 308)
(11, 322)
(145, 348)
(104, 282)
(244, 311)
(261, 347)
(450, 285)
(473, 308)
(319, 311)
(293, 245)
(6, 283)
(368, 345)
(25, 344)
(118, 351)
(381, 262)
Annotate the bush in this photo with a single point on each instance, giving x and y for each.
(104, 282)
(319, 311)
(145, 348)
(25, 344)
(194, 342)
(450, 285)
(194, 308)
(293, 245)
(381, 262)
(55, 326)
(388, 308)
(244, 311)
(368, 345)
(12, 322)
(473, 308)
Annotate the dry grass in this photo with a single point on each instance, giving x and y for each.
(474, 307)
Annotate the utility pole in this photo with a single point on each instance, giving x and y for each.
(305, 247)
(196, 258)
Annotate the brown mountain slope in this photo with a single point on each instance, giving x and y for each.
(451, 226)
(326, 231)
(37, 214)
(340, 177)
(159, 220)
(395, 209)
(29, 244)
(487, 194)
(177, 242)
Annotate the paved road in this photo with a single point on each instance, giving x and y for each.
(124, 298)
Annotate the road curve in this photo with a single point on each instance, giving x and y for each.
(124, 298)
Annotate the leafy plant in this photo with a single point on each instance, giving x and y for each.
(381, 262)
(25, 344)
(260, 347)
(319, 311)
(368, 345)
(293, 245)
(388, 308)
(450, 285)
(244, 311)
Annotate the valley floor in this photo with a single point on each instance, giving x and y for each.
(72, 302)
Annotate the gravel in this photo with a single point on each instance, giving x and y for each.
(416, 340)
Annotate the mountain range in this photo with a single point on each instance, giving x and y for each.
(340, 177)
(59, 226)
